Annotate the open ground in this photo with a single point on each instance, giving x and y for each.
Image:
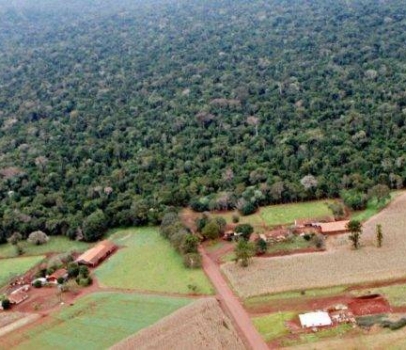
(339, 266)
(147, 262)
(10, 268)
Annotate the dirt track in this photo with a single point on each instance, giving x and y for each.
(232, 304)
(340, 266)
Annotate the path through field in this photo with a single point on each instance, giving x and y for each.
(339, 266)
(232, 304)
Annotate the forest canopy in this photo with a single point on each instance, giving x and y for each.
(111, 111)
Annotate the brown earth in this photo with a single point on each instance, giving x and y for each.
(201, 325)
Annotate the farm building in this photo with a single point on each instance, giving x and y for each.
(315, 319)
(61, 273)
(334, 227)
(97, 254)
(19, 295)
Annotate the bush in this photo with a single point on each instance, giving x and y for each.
(37, 238)
(5, 303)
(319, 241)
(60, 280)
(84, 281)
(73, 269)
(211, 230)
(189, 244)
(261, 246)
(235, 219)
(15, 238)
(247, 208)
(37, 284)
(245, 231)
(192, 260)
(84, 271)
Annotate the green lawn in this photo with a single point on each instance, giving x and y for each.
(97, 321)
(273, 326)
(395, 293)
(253, 219)
(148, 262)
(10, 268)
(56, 244)
(287, 213)
(373, 207)
(311, 293)
(334, 332)
(295, 243)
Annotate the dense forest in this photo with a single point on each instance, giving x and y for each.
(113, 111)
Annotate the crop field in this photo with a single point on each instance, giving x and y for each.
(97, 321)
(56, 244)
(10, 268)
(339, 266)
(149, 263)
(207, 328)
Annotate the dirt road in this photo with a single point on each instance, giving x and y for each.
(232, 304)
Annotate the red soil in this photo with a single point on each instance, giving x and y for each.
(369, 305)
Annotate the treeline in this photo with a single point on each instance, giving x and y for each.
(107, 120)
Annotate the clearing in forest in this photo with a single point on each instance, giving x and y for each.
(339, 266)
(147, 262)
(96, 321)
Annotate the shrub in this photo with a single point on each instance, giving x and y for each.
(192, 260)
(261, 246)
(37, 238)
(84, 281)
(51, 270)
(211, 230)
(247, 208)
(189, 244)
(245, 231)
(73, 269)
(319, 241)
(60, 280)
(83, 271)
(15, 238)
(235, 219)
(5, 303)
(37, 284)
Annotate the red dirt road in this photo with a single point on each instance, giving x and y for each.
(232, 304)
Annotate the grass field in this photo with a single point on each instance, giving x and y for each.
(287, 213)
(373, 207)
(295, 243)
(10, 268)
(96, 321)
(56, 244)
(335, 332)
(312, 293)
(149, 263)
(394, 293)
(273, 326)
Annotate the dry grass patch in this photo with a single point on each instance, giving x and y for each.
(340, 266)
(201, 325)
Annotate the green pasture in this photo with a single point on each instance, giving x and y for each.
(97, 321)
(147, 262)
(10, 268)
(273, 326)
(56, 244)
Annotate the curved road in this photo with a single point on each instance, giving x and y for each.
(232, 304)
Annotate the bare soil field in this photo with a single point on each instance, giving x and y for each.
(21, 321)
(201, 325)
(339, 266)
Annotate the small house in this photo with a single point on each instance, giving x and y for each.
(334, 227)
(17, 297)
(61, 273)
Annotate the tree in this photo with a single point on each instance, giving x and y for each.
(211, 230)
(379, 235)
(355, 228)
(38, 238)
(15, 238)
(337, 209)
(380, 192)
(192, 260)
(244, 231)
(94, 226)
(73, 269)
(261, 246)
(244, 251)
(189, 244)
(5, 304)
